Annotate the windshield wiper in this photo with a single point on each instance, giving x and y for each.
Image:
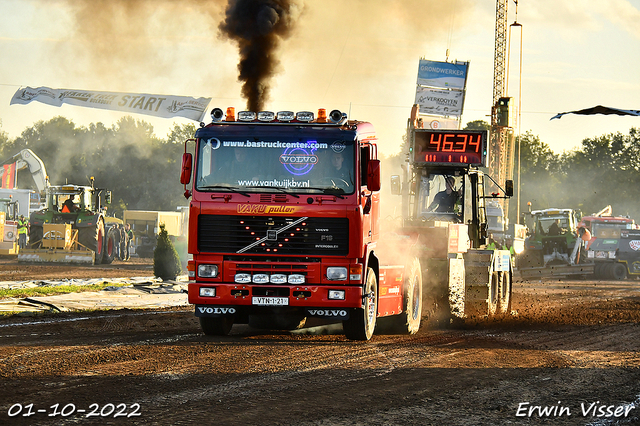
(275, 187)
(230, 188)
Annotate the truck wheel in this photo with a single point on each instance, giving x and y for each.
(93, 239)
(597, 270)
(35, 237)
(110, 246)
(619, 271)
(219, 326)
(408, 322)
(362, 321)
(608, 270)
(504, 293)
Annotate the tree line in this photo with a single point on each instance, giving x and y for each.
(603, 170)
(140, 169)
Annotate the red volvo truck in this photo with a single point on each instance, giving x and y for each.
(284, 226)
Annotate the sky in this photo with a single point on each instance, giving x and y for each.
(359, 56)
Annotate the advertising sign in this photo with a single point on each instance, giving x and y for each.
(439, 102)
(442, 74)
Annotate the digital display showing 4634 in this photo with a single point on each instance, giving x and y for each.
(467, 147)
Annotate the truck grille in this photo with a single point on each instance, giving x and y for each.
(310, 236)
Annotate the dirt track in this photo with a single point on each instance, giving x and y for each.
(569, 343)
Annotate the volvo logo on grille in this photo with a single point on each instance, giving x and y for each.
(272, 235)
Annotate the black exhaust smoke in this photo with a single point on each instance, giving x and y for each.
(258, 26)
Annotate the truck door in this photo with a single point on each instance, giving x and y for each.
(369, 200)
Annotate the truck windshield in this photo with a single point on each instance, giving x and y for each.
(263, 164)
(607, 230)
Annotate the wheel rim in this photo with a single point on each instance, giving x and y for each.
(371, 307)
(416, 301)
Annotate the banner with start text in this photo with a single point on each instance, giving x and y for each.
(164, 106)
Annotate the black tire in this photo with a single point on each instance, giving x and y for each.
(619, 271)
(110, 246)
(219, 326)
(35, 237)
(504, 293)
(597, 270)
(608, 271)
(408, 322)
(93, 239)
(362, 321)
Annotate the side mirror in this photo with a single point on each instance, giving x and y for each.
(508, 188)
(107, 197)
(395, 185)
(185, 174)
(373, 175)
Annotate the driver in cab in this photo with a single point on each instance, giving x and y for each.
(445, 201)
(68, 206)
(338, 172)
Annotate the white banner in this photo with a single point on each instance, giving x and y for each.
(140, 103)
(439, 102)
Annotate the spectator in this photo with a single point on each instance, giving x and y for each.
(23, 226)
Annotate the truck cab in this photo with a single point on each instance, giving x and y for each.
(284, 223)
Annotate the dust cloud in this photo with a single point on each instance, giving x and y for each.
(205, 47)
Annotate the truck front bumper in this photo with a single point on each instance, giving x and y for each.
(276, 296)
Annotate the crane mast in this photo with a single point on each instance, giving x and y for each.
(501, 144)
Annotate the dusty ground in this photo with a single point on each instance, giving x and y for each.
(10, 270)
(569, 344)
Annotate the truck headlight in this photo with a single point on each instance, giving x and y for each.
(336, 294)
(591, 254)
(207, 271)
(278, 279)
(261, 278)
(242, 278)
(296, 279)
(612, 254)
(207, 291)
(337, 273)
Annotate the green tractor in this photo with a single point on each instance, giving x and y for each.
(553, 245)
(81, 207)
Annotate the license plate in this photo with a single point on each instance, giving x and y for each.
(270, 301)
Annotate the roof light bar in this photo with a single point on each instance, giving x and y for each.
(285, 116)
(304, 116)
(246, 116)
(334, 117)
(266, 116)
